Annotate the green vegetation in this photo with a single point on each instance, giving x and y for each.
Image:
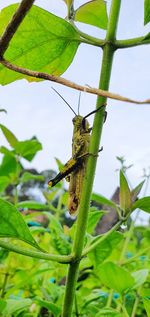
(51, 265)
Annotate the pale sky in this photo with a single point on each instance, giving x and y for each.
(34, 109)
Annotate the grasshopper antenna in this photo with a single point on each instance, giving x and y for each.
(92, 112)
(79, 102)
(64, 100)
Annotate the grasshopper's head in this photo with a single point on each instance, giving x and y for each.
(81, 123)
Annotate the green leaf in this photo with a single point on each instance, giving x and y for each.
(43, 42)
(108, 312)
(93, 13)
(115, 277)
(135, 192)
(10, 137)
(28, 149)
(4, 182)
(140, 277)
(6, 151)
(14, 306)
(13, 224)
(33, 205)
(146, 303)
(143, 204)
(8, 165)
(93, 219)
(26, 177)
(2, 305)
(53, 308)
(103, 200)
(68, 2)
(59, 164)
(146, 11)
(125, 194)
(104, 248)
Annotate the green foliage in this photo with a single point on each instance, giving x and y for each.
(15, 307)
(10, 137)
(125, 195)
(104, 248)
(103, 200)
(99, 272)
(146, 302)
(13, 225)
(94, 13)
(143, 204)
(55, 40)
(115, 277)
(115, 274)
(146, 11)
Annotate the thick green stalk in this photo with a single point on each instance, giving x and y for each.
(108, 53)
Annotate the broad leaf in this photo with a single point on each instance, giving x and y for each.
(146, 11)
(140, 277)
(8, 166)
(26, 177)
(93, 13)
(43, 42)
(143, 204)
(104, 248)
(3, 304)
(103, 200)
(10, 137)
(13, 224)
(4, 182)
(146, 303)
(28, 148)
(16, 306)
(33, 205)
(115, 277)
(125, 194)
(53, 308)
(93, 219)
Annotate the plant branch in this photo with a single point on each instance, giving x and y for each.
(36, 254)
(14, 23)
(107, 60)
(133, 258)
(3, 288)
(68, 83)
(88, 39)
(142, 40)
(101, 238)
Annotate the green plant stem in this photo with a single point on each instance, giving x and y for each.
(132, 42)
(6, 275)
(127, 240)
(91, 165)
(124, 311)
(36, 254)
(101, 238)
(110, 297)
(133, 314)
(135, 256)
(88, 39)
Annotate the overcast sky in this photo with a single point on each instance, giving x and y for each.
(34, 109)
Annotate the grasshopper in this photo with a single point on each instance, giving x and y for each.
(74, 169)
